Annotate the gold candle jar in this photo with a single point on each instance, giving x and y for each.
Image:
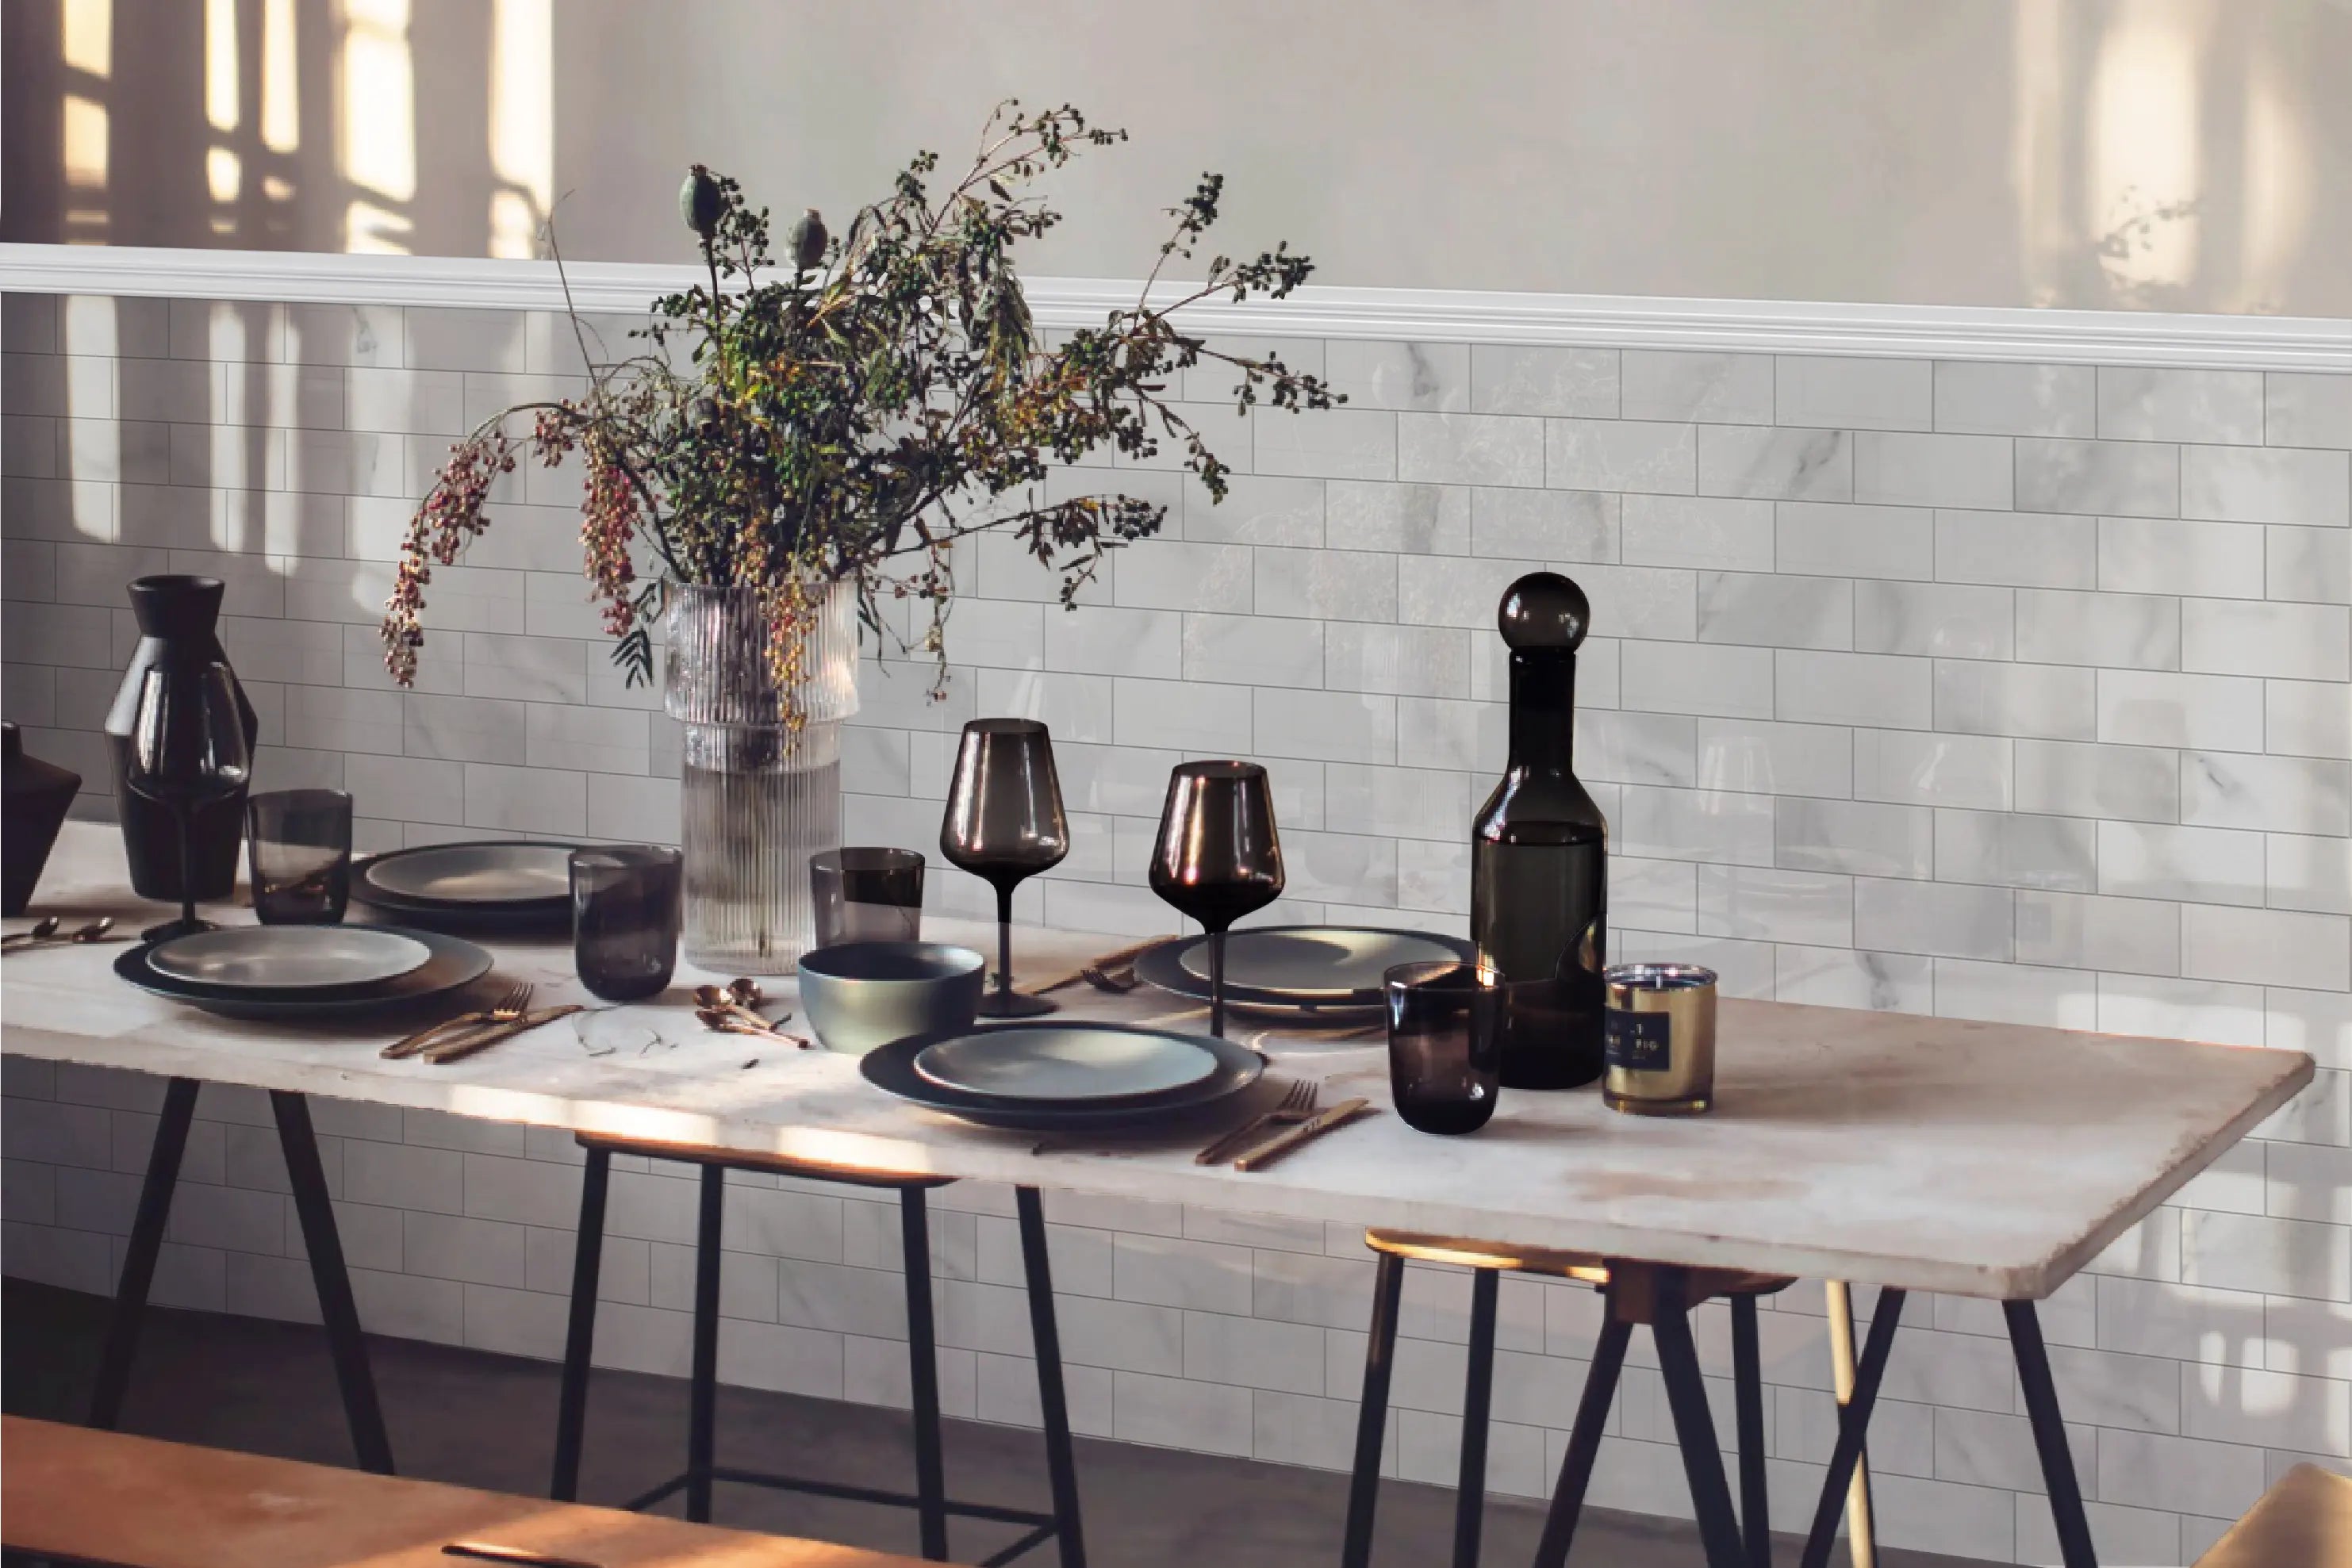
(1658, 1038)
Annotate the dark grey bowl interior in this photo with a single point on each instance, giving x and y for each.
(859, 995)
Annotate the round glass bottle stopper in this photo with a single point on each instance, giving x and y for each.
(1543, 610)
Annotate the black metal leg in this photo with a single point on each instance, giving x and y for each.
(1861, 1535)
(1718, 1527)
(2050, 1435)
(1060, 1468)
(139, 1262)
(332, 1280)
(1371, 1419)
(1477, 1399)
(702, 1384)
(579, 1337)
(1583, 1442)
(923, 1369)
(1748, 1399)
(1854, 1423)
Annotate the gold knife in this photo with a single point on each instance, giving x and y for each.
(491, 1034)
(1275, 1148)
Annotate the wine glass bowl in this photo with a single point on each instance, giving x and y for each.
(1004, 823)
(1218, 856)
(187, 751)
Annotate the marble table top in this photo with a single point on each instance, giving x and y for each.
(1980, 1159)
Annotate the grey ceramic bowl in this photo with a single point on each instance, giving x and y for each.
(860, 995)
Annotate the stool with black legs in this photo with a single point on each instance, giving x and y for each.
(1647, 1293)
(929, 1500)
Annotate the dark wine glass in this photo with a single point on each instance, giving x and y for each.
(1445, 1044)
(1004, 822)
(1218, 857)
(187, 751)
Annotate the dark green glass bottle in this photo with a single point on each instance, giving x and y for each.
(1539, 852)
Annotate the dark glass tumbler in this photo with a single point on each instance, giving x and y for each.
(626, 912)
(1445, 1044)
(866, 895)
(299, 850)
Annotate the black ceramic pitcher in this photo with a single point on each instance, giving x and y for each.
(179, 619)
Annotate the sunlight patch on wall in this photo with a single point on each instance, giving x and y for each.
(2145, 123)
(86, 31)
(281, 103)
(2278, 181)
(522, 123)
(220, 64)
(378, 154)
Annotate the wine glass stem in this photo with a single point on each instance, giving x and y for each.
(187, 878)
(1004, 941)
(1217, 983)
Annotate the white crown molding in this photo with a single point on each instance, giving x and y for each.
(1907, 331)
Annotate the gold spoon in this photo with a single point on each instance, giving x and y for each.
(736, 997)
(94, 931)
(729, 1022)
(41, 931)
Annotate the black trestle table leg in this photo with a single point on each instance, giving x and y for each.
(1583, 1442)
(1854, 1425)
(579, 1335)
(332, 1280)
(1061, 1468)
(130, 1309)
(1718, 1526)
(702, 1378)
(923, 1373)
(1748, 1399)
(1372, 1417)
(1477, 1398)
(2075, 1547)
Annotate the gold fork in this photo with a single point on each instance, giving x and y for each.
(506, 1010)
(1295, 1106)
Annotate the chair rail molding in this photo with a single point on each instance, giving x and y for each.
(1786, 326)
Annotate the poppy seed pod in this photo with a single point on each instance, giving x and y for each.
(701, 203)
(808, 239)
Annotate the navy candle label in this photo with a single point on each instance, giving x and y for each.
(1638, 1042)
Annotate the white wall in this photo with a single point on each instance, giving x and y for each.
(2177, 154)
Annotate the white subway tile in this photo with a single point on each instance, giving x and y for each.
(1986, 398)
(2247, 637)
(1710, 825)
(2020, 549)
(1253, 650)
(2307, 410)
(1187, 715)
(1634, 747)
(1566, 383)
(2308, 718)
(2267, 484)
(1934, 918)
(2139, 479)
(1765, 905)
(2310, 873)
(1542, 525)
(1335, 585)
(2279, 794)
(1854, 541)
(1767, 758)
(2128, 934)
(1948, 621)
(1859, 837)
(2143, 403)
(1858, 394)
(1921, 768)
(1406, 519)
(1411, 661)
(1166, 574)
(2200, 865)
(1455, 592)
(1331, 444)
(1762, 609)
(1705, 533)
(2266, 946)
(2041, 701)
(1669, 384)
(1688, 677)
(1965, 471)
(2154, 708)
(1852, 688)
(1621, 455)
(1168, 1412)
(2283, 1257)
(1653, 895)
(2132, 631)
(2018, 850)
(1844, 977)
(1396, 802)
(2139, 783)
(2310, 565)
(1629, 601)
(1426, 376)
(1340, 727)
(1470, 449)
(2159, 555)
(1781, 464)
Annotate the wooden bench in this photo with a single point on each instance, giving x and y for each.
(2304, 1522)
(91, 1497)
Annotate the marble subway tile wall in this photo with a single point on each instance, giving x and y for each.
(1989, 690)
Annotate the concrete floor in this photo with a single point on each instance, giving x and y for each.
(487, 1420)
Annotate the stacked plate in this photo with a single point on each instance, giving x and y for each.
(508, 886)
(1063, 1076)
(302, 971)
(1331, 972)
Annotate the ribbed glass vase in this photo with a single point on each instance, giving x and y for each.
(757, 797)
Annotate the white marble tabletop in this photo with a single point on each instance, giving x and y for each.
(1978, 1159)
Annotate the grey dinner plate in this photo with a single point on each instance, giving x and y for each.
(891, 1067)
(487, 873)
(1064, 1062)
(1318, 963)
(290, 958)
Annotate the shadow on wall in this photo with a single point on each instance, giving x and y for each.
(280, 124)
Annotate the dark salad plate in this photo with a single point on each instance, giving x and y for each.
(511, 886)
(891, 1067)
(1304, 972)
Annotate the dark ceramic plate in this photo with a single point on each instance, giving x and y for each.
(482, 895)
(1354, 953)
(891, 1067)
(454, 963)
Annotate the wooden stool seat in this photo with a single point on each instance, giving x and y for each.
(84, 1496)
(772, 1165)
(1586, 1268)
(2303, 1521)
